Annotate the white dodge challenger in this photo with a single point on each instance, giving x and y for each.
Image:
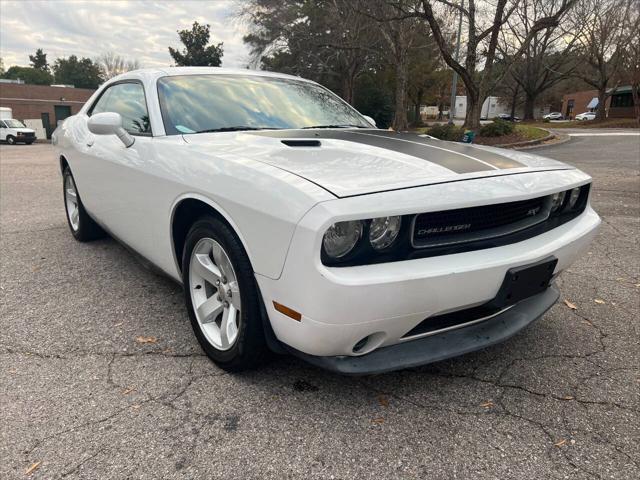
(294, 225)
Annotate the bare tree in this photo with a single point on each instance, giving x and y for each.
(631, 65)
(401, 34)
(607, 28)
(112, 64)
(546, 58)
(483, 22)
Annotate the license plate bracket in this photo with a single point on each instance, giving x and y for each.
(525, 281)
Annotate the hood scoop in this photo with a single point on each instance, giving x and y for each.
(301, 143)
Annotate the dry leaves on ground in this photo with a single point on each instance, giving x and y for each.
(378, 420)
(599, 301)
(382, 400)
(488, 404)
(572, 306)
(32, 468)
(560, 443)
(142, 339)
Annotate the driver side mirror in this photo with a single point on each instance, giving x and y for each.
(109, 123)
(370, 120)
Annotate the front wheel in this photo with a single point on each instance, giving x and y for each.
(82, 226)
(222, 297)
(11, 140)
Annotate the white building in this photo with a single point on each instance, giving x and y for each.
(491, 107)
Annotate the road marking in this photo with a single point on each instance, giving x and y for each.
(610, 134)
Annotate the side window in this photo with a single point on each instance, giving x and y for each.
(128, 100)
(2, 125)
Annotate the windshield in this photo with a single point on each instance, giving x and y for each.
(12, 123)
(201, 103)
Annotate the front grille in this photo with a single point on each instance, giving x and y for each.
(449, 227)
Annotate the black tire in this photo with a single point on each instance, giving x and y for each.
(11, 140)
(29, 143)
(250, 349)
(87, 229)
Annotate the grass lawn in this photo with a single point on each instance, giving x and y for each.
(522, 133)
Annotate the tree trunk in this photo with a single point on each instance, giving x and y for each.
(400, 122)
(601, 113)
(348, 87)
(514, 99)
(635, 94)
(529, 106)
(474, 107)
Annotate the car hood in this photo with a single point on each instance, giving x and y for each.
(348, 162)
(23, 129)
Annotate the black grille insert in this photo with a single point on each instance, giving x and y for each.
(449, 227)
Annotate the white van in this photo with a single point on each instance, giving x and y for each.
(13, 131)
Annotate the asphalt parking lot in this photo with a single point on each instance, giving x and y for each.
(82, 397)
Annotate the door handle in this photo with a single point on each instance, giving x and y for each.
(90, 142)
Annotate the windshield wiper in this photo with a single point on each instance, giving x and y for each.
(334, 126)
(235, 129)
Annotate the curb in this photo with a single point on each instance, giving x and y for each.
(528, 143)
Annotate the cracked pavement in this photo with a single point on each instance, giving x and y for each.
(80, 398)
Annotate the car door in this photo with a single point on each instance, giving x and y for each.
(116, 172)
(3, 130)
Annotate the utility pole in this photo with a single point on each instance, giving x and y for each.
(454, 84)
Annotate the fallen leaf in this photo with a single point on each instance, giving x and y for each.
(572, 306)
(638, 285)
(560, 443)
(119, 324)
(599, 301)
(135, 407)
(488, 404)
(587, 322)
(29, 470)
(146, 340)
(378, 420)
(382, 400)
(568, 397)
(128, 390)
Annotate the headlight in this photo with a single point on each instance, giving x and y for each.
(556, 201)
(384, 231)
(341, 237)
(574, 194)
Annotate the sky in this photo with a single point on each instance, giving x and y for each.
(134, 29)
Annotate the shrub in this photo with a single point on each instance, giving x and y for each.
(497, 128)
(446, 132)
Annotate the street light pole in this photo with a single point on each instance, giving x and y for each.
(454, 84)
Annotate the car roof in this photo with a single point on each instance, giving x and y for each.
(155, 73)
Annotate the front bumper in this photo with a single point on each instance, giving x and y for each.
(441, 346)
(341, 306)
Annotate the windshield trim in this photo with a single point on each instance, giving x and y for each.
(168, 129)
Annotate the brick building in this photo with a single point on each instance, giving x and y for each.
(48, 104)
(619, 104)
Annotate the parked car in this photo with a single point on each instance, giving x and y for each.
(295, 225)
(14, 131)
(508, 118)
(553, 116)
(586, 116)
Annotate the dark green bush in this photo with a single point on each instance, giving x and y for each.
(497, 128)
(447, 132)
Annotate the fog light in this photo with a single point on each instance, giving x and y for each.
(360, 345)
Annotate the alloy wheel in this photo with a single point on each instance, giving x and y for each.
(71, 200)
(215, 293)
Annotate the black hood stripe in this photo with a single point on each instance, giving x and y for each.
(455, 157)
(453, 162)
(494, 159)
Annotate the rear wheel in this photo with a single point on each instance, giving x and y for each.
(222, 297)
(11, 140)
(82, 226)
